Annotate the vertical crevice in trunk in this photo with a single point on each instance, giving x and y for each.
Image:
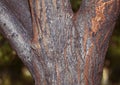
(63, 48)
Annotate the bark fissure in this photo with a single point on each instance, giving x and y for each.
(58, 46)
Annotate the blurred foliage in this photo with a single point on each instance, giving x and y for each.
(113, 55)
(13, 72)
(75, 4)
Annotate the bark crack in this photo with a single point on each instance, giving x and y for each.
(35, 14)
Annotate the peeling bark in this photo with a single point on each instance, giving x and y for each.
(58, 46)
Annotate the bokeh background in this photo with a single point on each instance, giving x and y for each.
(13, 71)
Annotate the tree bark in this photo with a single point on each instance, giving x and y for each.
(58, 46)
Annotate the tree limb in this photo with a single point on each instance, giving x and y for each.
(71, 47)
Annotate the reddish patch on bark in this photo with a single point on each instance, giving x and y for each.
(99, 18)
(36, 72)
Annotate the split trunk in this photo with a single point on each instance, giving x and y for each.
(58, 46)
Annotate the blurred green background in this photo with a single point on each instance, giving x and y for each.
(13, 72)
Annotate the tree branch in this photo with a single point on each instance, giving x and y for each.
(15, 33)
(71, 46)
(94, 16)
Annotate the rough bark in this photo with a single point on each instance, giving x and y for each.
(58, 46)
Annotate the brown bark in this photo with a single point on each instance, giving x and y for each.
(58, 46)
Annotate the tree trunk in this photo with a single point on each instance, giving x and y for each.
(58, 46)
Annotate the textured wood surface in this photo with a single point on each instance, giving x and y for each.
(58, 46)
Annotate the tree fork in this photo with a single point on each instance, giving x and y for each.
(58, 46)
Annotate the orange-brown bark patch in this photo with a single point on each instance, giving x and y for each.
(86, 70)
(99, 19)
(87, 65)
(36, 71)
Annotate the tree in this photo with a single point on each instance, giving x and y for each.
(60, 47)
